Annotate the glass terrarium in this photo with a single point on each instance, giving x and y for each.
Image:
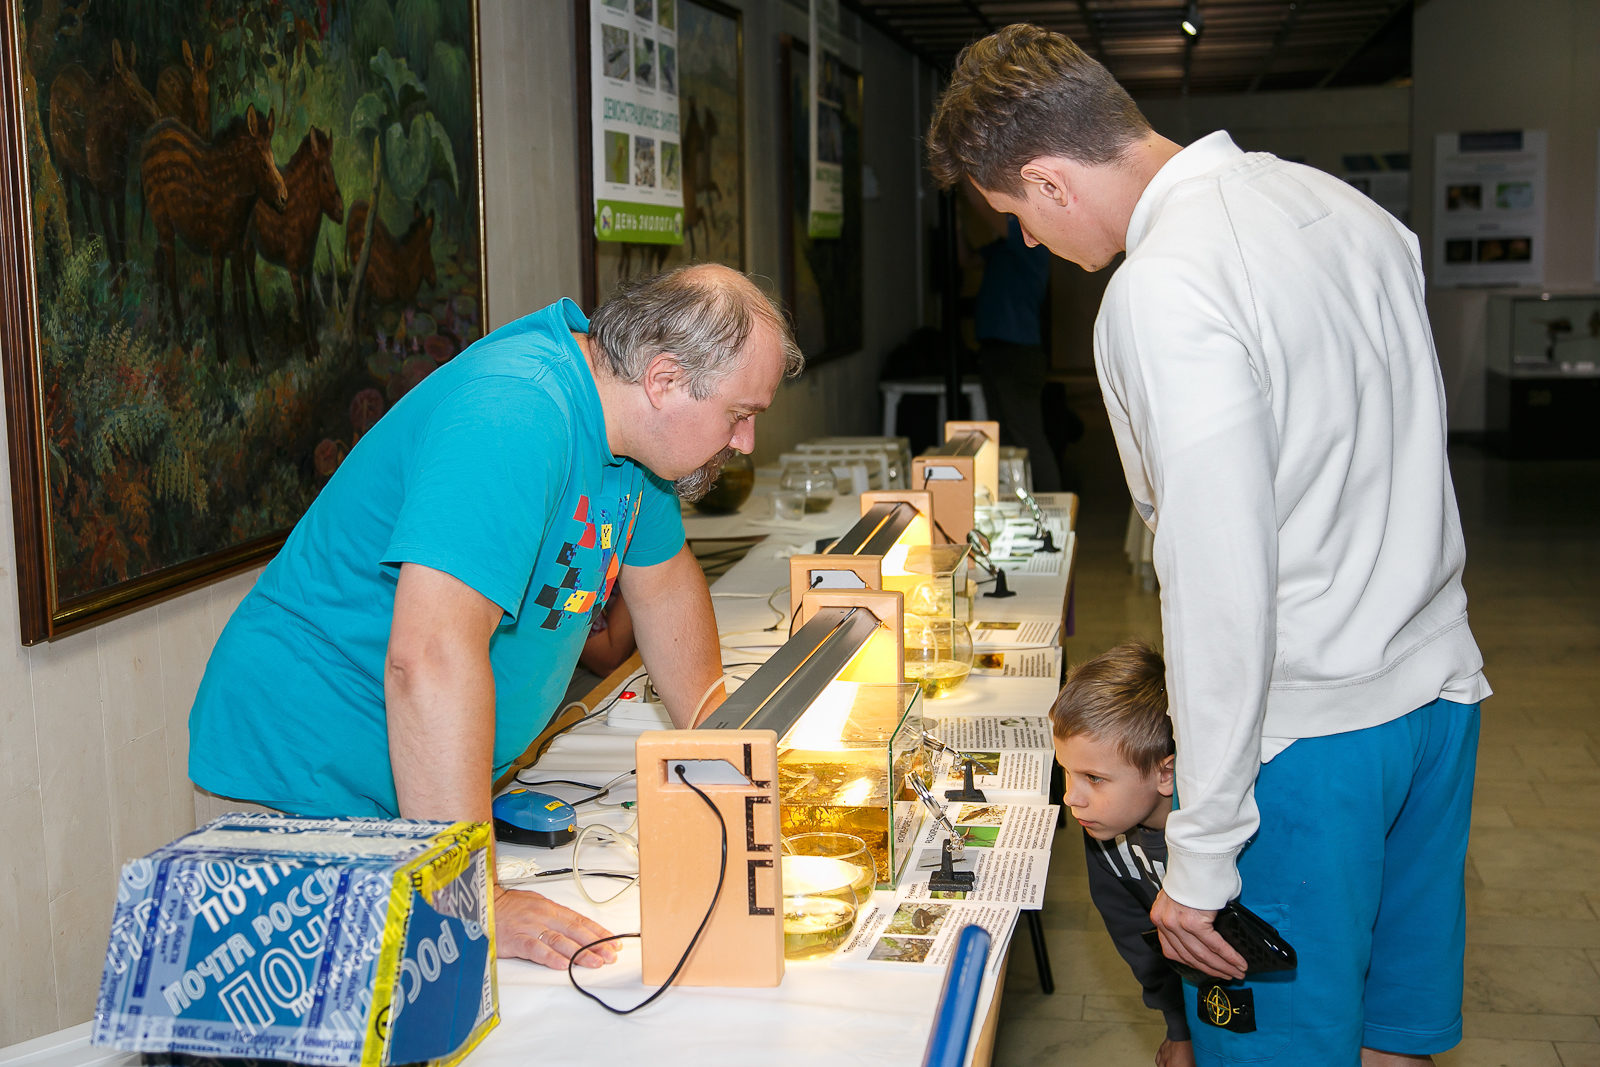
(939, 583)
(842, 767)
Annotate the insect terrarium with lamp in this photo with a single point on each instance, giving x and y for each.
(848, 729)
(842, 768)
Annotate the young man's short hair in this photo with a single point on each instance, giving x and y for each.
(1119, 696)
(1022, 93)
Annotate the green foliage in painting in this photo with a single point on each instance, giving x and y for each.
(164, 442)
(416, 27)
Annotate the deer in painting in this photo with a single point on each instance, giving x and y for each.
(93, 127)
(204, 193)
(186, 94)
(289, 239)
(395, 269)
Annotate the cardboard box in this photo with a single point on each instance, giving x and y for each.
(324, 941)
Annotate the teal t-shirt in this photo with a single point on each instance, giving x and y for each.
(495, 470)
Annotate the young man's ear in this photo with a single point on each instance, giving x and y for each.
(1166, 776)
(1050, 177)
(662, 375)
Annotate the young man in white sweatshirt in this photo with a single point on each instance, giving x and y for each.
(1266, 360)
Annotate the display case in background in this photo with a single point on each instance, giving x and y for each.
(1543, 388)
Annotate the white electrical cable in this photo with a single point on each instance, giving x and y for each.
(782, 615)
(727, 676)
(712, 688)
(625, 838)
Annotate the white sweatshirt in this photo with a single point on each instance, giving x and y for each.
(1265, 355)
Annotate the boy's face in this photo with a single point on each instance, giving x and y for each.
(1107, 794)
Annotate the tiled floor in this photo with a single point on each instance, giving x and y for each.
(1533, 877)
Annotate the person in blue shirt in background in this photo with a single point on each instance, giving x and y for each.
(419, 625)
(1011, 356)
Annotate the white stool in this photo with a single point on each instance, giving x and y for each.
(893, 391)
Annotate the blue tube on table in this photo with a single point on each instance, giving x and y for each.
(958, 1000)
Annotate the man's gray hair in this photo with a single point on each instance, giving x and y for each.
(702, 314)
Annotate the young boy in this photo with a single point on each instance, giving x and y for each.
(1114, 741)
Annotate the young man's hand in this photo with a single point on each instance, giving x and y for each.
(1175, 1054)
(1187, 935)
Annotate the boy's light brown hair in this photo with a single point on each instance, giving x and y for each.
(1119, 696)
(1022, 93)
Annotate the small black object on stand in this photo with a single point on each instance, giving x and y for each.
(968, 791)
(1049, 539)
(1001, 590)
(949, 880)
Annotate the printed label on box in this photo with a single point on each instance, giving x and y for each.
(324, 941)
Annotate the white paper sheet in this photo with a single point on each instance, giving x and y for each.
(999, 631)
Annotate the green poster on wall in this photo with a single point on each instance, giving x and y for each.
(826, 218)
(638, 177)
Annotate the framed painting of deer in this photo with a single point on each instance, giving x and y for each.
(710, 83)
(236, 234)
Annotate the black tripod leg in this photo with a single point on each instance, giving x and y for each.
(1041, 954)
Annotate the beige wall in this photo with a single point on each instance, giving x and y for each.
(1317, 127)
(1489, 65)
(93, 728)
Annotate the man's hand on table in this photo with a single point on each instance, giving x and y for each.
(531, 927)
(1187, 935)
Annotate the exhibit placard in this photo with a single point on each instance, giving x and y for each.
(1489, 208)
(638, 179)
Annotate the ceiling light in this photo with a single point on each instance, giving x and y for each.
(1193, 22)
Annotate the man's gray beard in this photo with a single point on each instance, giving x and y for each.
(697, 484)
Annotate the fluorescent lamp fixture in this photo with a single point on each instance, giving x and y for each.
(872, 555)
(847, 726)
(1193, 22)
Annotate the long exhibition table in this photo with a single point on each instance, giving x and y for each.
(823, 1012)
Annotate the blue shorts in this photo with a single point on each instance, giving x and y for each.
(1360, 864)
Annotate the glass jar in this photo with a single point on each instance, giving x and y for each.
(814, 478)
(732, 487)
(826, 878)
(938, 653)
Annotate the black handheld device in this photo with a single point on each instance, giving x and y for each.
(1263, 948)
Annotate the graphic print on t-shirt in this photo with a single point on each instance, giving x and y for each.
(590, 563)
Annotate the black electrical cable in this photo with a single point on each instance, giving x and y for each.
(600, 791)
(587, 874)
(722, 871)
(555, 781)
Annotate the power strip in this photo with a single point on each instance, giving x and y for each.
(639, 716)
